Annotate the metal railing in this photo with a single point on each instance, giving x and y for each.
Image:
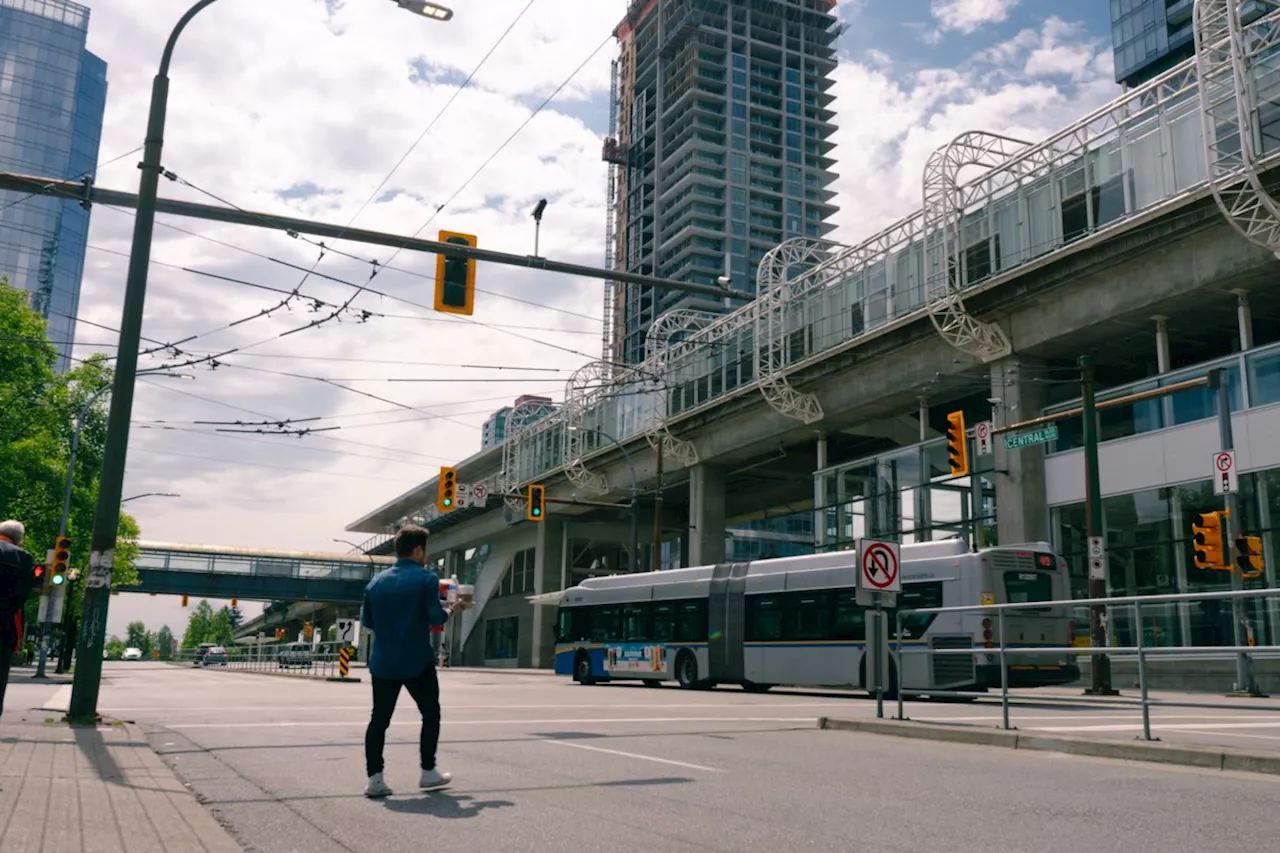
(1140, 650)
(320, 660)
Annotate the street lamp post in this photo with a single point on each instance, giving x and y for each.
(84, 691)
(151, 495)
(635, 497)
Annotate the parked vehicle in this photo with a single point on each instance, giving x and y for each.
(295, 654)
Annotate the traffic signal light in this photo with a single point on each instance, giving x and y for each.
(957, 445)
(537, 503)
(1206, 529)
(233, 604)
(1249, 556)
(61, 558)
(184, 601)
(39, 573)
(455, 277)
(447, 485)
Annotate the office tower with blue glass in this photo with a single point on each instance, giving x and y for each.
(53, 93)
(1149, 37)
(722, 148)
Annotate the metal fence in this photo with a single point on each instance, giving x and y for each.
(303, 660)
(1140, 607)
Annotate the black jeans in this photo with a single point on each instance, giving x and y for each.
(425, 690)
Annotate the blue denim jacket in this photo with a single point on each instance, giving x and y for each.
(400, 606)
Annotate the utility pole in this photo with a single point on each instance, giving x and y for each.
(1101, 666)
(1245, 684)
(657, 512)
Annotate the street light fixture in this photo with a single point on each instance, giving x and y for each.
(151, 495)
(430, 10)
(537, 223)
(635, 495)
(84, 690)
(357, 547)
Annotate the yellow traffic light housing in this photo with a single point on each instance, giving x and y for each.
(61, 559)
(446, 487)
(957, 445)
(1249, 556)
(184, 601)
(455, 277)
(537, 503)
(234, 604)
(1210, 550)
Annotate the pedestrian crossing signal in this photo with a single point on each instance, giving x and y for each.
(537, 502)
(455, 277)
(1249, 556)
(957, 445)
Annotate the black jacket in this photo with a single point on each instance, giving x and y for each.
(17, 580)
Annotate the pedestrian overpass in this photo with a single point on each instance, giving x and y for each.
(212, 571)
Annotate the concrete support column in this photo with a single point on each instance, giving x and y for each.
(1162, 343)
(548, 561)
(706, 515)
(820, 497)
(1244, 315)
(1022, 513)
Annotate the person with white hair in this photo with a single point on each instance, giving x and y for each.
(17, 580)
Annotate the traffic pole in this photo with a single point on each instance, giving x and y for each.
(1245, 684)
(1100, 670)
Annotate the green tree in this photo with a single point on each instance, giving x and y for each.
(198, 625)
(114, 647)
(164, 642)
(136, 637)
(38, 410)
(220, 630)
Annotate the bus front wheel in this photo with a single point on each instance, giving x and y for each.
(582, 669)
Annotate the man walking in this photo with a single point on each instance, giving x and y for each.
(400, 607)
(17, 579)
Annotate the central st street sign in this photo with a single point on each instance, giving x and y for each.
(1044, 435)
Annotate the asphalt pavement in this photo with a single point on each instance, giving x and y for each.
(542, 764)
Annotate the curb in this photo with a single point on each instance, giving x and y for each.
(343, 679)
(496, 670)
(1158, 753)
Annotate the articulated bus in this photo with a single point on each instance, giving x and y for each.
(795, 621)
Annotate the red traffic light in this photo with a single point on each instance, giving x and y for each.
(39, 572)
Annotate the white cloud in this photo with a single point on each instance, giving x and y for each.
(265, 99)
(966, 16)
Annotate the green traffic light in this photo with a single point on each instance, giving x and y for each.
(58, 579)
(448, 501)
(537, 511)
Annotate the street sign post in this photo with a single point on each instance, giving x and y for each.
(1043, 435)
(462, 496)
(982, 436)
(1226, 480)
(879, 582)
(347, 631)
(479, 494)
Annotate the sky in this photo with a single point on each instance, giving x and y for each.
(354, 112)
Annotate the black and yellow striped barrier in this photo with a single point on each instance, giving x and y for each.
(344, 666)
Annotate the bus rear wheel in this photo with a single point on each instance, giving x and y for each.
(687, 670)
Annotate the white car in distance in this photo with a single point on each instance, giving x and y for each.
(132, 654)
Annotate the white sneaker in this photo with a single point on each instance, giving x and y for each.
(432, 779)
(376, 787)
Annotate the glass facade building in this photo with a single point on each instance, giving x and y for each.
(1151, 36)
(724, 125)
(53, 95)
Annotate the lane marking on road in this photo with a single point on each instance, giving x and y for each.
(526, 722)
(1220, 734)
(633, 755)
(61, 700)
(1034, 718)
(1190, 727)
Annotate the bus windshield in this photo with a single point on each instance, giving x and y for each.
(1026, 587)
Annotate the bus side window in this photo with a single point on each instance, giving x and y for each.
(691, 621)
(808, 616)
(635, 620)
(916, 595)
(850, 619)
(606, 625)
(764, 618)
(664, 622)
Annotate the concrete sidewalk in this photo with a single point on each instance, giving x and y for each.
(67, 789)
